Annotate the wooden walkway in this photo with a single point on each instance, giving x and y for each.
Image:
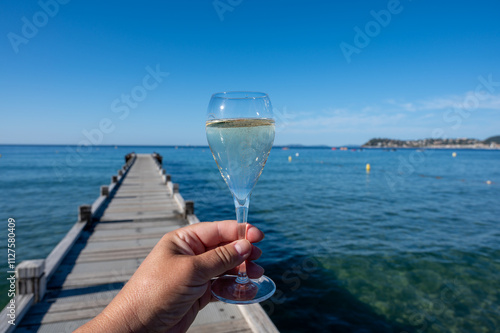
(102, 251)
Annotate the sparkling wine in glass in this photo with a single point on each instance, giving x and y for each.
(240, 133)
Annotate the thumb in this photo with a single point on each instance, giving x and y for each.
(223, 258)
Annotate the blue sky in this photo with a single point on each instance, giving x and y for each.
(337, 72)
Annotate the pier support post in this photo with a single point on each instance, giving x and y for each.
(120, 172)
(31, 278)
(129, 157)
(85, 215)
(105, 190)
(158, 158)
(189, 212)
(114, 179)
(189, 207)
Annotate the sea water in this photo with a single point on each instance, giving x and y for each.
(413, 245)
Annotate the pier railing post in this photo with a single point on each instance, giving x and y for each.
(105, 190)
(85, 215)
(163, 174)
(188, 208)
(189, 211)
(114, 179)
(31, 278)
(158, 158)
(129, 157)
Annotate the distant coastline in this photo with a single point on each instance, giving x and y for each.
(492, 143)
(460, 143)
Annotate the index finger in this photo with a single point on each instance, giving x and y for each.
(214, 233)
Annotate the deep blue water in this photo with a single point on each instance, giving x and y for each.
(412, 246)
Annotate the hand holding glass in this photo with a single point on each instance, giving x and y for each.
(240, 133)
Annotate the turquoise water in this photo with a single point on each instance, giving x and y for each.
(412, 246)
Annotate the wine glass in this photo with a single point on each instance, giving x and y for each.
(240, 133)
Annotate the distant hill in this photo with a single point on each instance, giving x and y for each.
(494, 139)
(493, 142)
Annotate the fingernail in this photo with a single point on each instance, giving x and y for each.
(243, 247)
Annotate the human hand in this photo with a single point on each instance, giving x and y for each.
(173, 283)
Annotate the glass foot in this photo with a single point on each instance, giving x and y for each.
(226, 289)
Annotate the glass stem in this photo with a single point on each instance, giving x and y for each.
(241, 216)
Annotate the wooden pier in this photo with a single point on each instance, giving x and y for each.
(104, 248)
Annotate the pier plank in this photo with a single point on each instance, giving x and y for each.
(90, 266)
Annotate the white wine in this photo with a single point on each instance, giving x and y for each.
(240, 148)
